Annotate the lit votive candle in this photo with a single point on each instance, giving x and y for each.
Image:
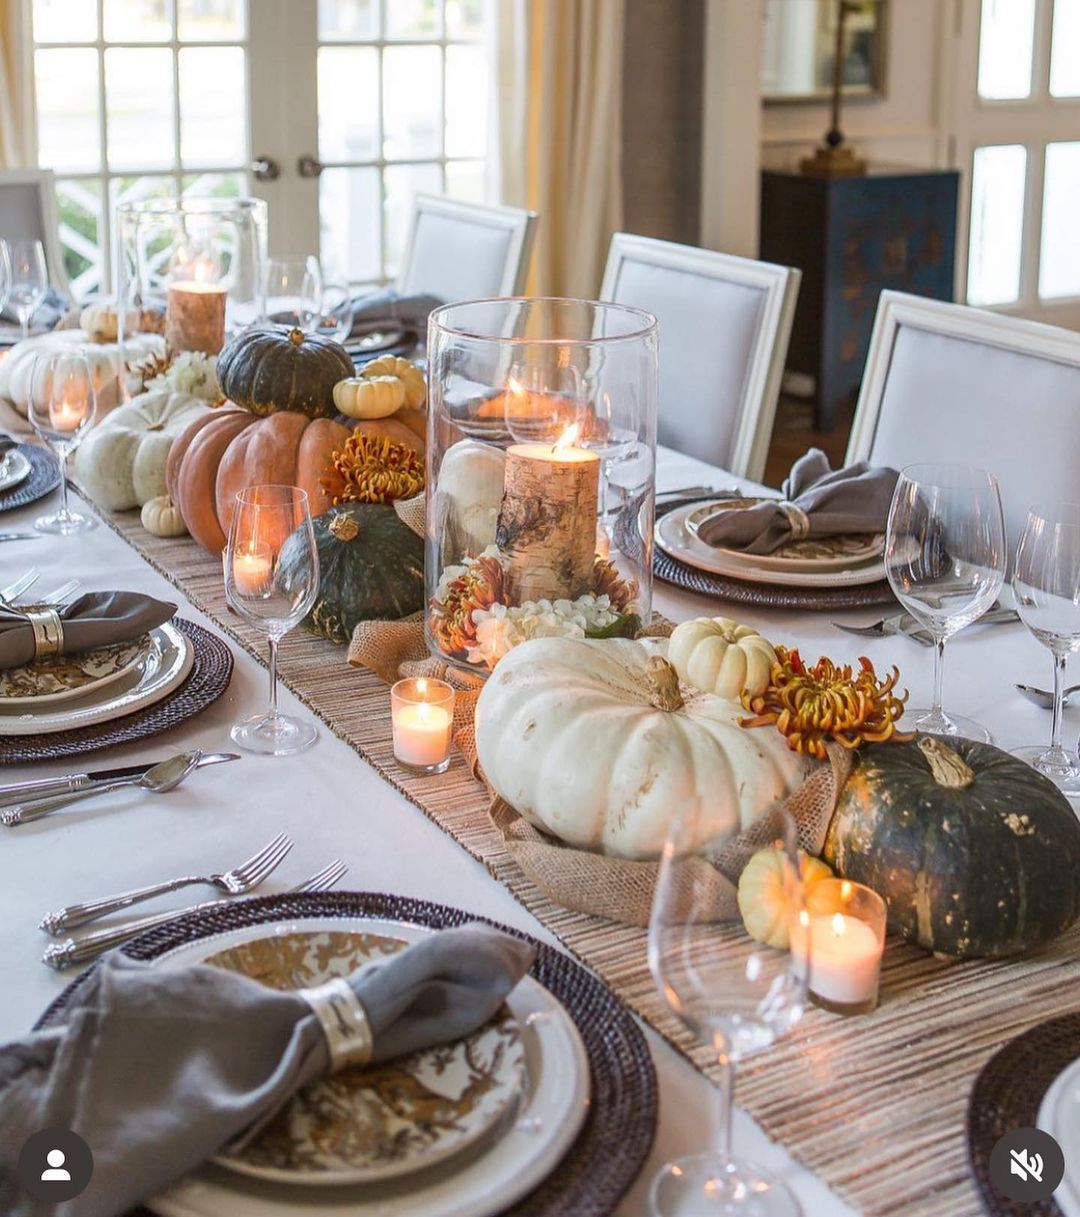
(67, 416)
(252, 569)
(422, 713)
(844, 929)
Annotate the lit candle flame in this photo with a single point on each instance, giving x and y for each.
(838, 924)
(515, 387)
(203, 269)
(568, 438)
(845, 890)
(421, 687)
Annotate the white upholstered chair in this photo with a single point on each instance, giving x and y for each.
(28, 212)
(945, 382)
(465, 251)
(724, 329)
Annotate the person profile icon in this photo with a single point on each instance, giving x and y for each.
(56, 1172)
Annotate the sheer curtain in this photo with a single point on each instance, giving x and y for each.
(14, 149)
(558, 68)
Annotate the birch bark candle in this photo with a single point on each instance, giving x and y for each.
(195, 309)
(548, 518)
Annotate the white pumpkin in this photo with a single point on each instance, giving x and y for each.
(470, 487)
(161, 517)
(408, 373)
(121, 463)
(591, 741)
(375, 397)
(103, 358)
(101, 321)
(718, 655)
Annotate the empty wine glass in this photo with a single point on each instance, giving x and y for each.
(292, 292)
(29, 280)
(945, 562)
(335, 318)
(61, 408)
(5, 274)
(1046, 582)
(271, 579)
(731, 992)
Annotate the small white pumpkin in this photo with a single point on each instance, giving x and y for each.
(101, 321)
(591, 741)
(766, 890)
(376, 397)
(160, 517)
(121, 463)
(718, 655)
(408, 373)
(469, 494)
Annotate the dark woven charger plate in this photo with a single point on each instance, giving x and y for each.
(43, 478)
(1007, 1095)
(208, 679)
(619, 1129)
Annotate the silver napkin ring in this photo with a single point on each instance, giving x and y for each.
(344, 1022)
(798, 520)
(48, 631)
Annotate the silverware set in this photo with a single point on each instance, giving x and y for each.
(905, 624)
(26, 581)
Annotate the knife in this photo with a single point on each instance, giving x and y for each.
(20, 792)
(20, 536)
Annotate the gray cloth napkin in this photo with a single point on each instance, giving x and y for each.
(96, 619)
(851, 500)
(386, 305)
(159, 1069)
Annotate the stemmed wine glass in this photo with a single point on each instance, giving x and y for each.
(335, 319)
(293, 291)
(61, 409)
(29, 280)
(945, 562)
(1046, 583)
(271, 579)
(5, 274)
(733, 993)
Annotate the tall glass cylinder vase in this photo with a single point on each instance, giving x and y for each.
(541, 470)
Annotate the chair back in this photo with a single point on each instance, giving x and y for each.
(28, 213)
(724, 328)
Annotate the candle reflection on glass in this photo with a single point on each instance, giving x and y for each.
(422, 712)
(68, 415)
(252, 569)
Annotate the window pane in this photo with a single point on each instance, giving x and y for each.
(347, 19)
(402, 182)
(138, 20)
(464, 18)
(465, 180)
(213, 130)
(466, 101)
(69, 135)
(139, 105)
(78, 206)
(64, 21)
(218, 185)
(348, 103)
(210, 20)
(349, 202)
(1005, 43)
(1059, 264)
(412, 102)
(412, 19)
(997, 224)
(1065, 50)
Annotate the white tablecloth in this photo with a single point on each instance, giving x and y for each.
(334, 805)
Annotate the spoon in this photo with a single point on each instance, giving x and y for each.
(1044, 698)
(162, 777)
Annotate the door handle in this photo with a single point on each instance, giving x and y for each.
(308, 166)
(265, 169)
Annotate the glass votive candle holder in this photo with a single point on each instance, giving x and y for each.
(422, 713)
(843, 930)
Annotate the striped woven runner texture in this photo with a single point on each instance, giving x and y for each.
(875, 1105)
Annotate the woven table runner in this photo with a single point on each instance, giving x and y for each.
(874, 1105)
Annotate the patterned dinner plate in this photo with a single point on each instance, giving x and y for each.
(377, 1122)
(56, 678)
(14, 468)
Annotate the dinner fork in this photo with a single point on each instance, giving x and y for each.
(64, 954)
(233, 882)
(20, 585)
(59, 594)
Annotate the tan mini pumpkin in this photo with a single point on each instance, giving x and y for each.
(377, 397)
(718, 655)
(408, 373)
(160, 517)
(765, 893)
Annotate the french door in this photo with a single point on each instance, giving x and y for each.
(1015, 130)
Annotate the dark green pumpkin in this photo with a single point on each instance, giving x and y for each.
(974, 852)
(371, 567)
(272, 367)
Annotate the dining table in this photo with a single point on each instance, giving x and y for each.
(334, 804)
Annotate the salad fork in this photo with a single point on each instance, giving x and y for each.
(20, 585)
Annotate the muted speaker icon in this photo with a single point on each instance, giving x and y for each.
(1027, 1166)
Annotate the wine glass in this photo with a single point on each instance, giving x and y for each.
(1046, 582)
(945, 562)
(5, 273)
(29, 280)
(271, 579)
(731, 992)
(292, 291)
(335, 318)
(61, 408)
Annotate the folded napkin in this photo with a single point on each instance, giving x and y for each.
(387, 306)
(96, 619)
(159, 1069)
(817, 502)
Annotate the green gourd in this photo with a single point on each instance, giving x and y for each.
(272, 367)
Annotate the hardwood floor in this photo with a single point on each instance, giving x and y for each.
(794, 433)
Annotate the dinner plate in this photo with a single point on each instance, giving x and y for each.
(56, 678)
(482, 1179)
(14, 468)
(675, 537)
(164, 669)
(1059, 1115)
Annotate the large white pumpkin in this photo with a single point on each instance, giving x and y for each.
(121, 463)
(574, 734)
(103, 358)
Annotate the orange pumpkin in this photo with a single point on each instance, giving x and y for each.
(229, 450)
